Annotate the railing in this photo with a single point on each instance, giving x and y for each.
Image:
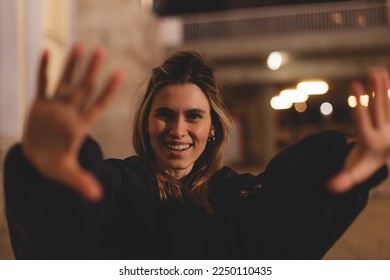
(320, 17)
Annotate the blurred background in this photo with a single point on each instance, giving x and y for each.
(284, 67)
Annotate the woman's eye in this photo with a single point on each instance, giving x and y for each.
(194, 116)
(164, 115)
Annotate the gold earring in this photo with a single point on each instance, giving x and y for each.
(211, 140)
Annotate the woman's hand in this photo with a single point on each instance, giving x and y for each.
(58, 125)
(373, 128)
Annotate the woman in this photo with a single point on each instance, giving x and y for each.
(174, 200)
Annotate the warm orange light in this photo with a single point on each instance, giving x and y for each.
(314, 87)
(278, 103)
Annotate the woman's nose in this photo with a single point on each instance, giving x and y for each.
(178, 128)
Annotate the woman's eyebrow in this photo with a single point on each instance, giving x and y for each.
(196, 111)
(162, 109)
(189, 111)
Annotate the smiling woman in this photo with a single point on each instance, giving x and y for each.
(181, 110)
(174, 199)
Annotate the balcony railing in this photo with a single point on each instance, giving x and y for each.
(320, 17)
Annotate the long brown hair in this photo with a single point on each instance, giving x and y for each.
(180, 68)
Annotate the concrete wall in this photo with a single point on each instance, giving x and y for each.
(129, 33)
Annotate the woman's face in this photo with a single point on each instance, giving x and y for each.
(179, 124)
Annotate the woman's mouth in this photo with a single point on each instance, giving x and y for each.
(181, 147)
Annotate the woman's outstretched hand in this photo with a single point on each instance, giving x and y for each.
(372, 149)
(57, 126)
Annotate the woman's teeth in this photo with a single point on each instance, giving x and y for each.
(178, 147)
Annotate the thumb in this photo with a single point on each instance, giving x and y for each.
(341, 182)
(346, 179)
(86, 184)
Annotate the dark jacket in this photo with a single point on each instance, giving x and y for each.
(283, 213)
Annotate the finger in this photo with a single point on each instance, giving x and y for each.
(360, 114)
(386, 85)
(377, 109)
(340, 183)
(102, 101)
(42, 75)
(63, 87)
(347, 179)
(80, 97)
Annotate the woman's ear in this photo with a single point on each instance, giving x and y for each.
(212, 131)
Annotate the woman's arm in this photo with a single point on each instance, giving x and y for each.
(53, 178)
(46, 219)
(288, 212)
